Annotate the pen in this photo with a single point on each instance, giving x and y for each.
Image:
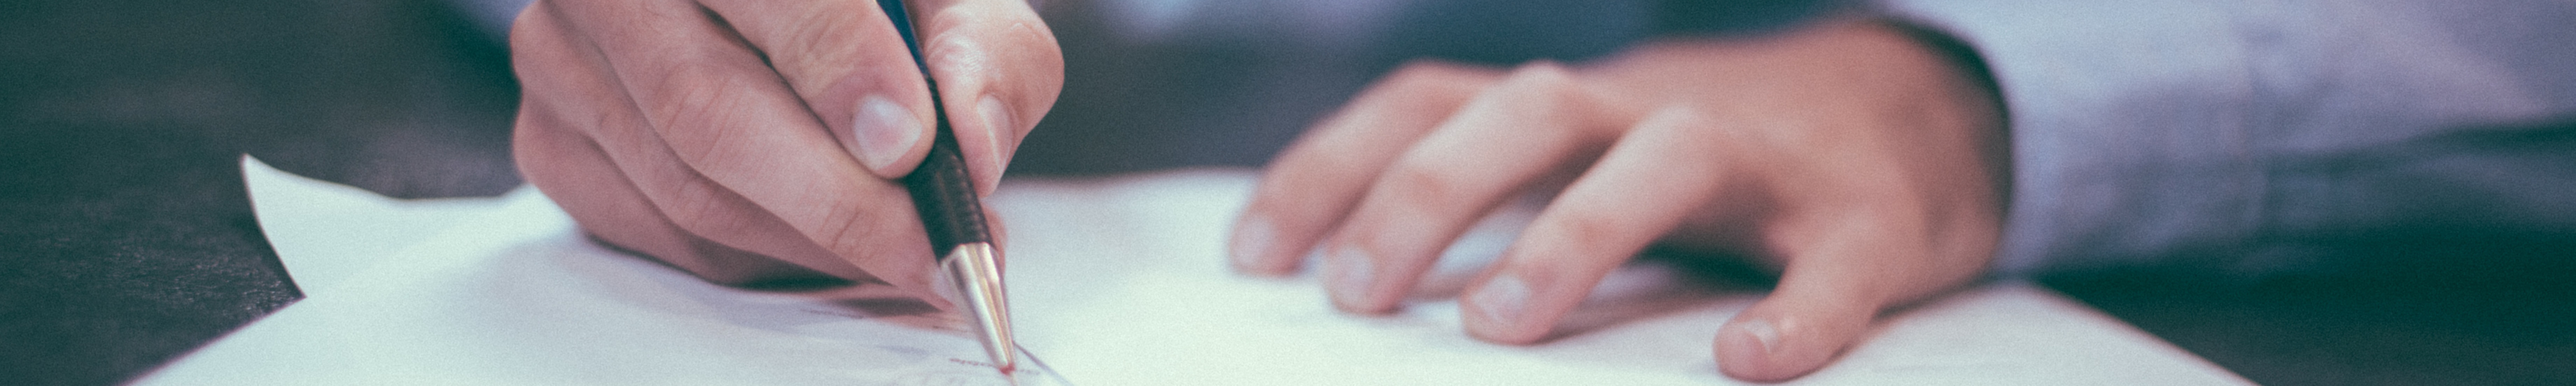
(942, 193)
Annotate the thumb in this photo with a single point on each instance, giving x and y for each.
(1803, 325)
(1842, 268)
(848, 62)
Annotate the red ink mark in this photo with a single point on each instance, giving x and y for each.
(1005, 370)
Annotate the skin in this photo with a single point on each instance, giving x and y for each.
(745, 140)
(1847, 155)
(748, 140)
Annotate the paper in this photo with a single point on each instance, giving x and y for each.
(1116, 281)
(512, 294)
(318, 254)
(1123, 282)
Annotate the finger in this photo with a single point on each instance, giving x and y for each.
(998, 65)
(1824, 302)
(1660, 172)
(1845, 262)
(1529, 125)
(998, 69)
(565, 164)
(731, 156)
(568, 88)
(1315, 182)
(849, 65)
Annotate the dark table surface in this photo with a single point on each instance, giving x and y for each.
(126, 238)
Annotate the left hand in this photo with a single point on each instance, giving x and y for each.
(1849, 155)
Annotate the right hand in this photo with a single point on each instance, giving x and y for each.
(745, 140)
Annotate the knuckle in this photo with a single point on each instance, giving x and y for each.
(1540, 87)
(1585, 231)
(1039, 60)
(1567, 247)
(1315, 182)
(698, 103)
(1542, 71)
(802, 36)
(1545, 78)
(701, 209)
(1437, 78)
(958, 54)
(1035, 35)
(1414, 188)
(1697, 136)
(851, 234)
(594, 125)
(812, 34)
(1537, 95)
(533, 28)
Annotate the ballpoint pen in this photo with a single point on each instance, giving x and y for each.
(969, 274)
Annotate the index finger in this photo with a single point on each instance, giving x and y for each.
(1314, 184)
(998, 67)
(999, 71)
(724, 113)
(848, 64)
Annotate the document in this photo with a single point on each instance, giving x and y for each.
(1114, 281)
(508, 292)
(1123, 281)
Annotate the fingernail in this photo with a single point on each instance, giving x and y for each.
(1251, 239)
(884, 132)
(1749, 349)
(1005, 131)
(1763, 333)
(1347, 274)
(1501, 301)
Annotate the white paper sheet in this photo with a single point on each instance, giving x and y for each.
(1115, 281)
(1122, 282)
(512, 294)
(318, 254)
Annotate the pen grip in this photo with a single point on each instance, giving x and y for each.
(945, 197)
(941, 191)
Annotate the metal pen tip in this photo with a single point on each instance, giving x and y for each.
(973, 270)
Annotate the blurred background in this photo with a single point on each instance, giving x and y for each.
(126, 239)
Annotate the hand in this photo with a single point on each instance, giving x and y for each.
(745, 140)
(1848, 155)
